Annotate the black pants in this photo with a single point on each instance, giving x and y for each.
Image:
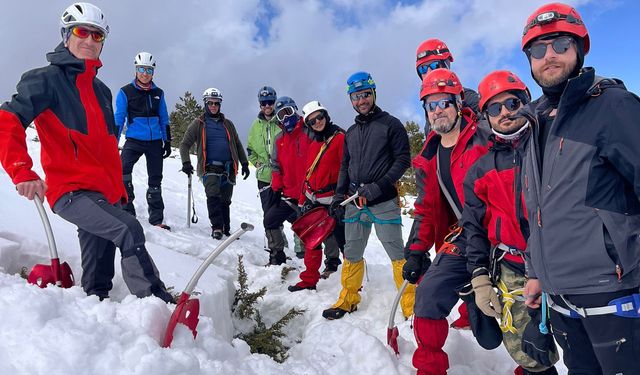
(601, 344)
(218, 188)
(152, 150)
(267, 197)
(278, 214)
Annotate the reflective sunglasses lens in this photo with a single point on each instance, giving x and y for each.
(212, 103)
(435, 65)
(312, 121)
(80, 32)
(142, 70)
(494, 109)
(561, 45)
(537, 51)
(423, 69)
(512, 104)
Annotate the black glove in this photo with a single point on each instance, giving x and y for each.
(245, 171)
(412, 269)
(187, 168)
(166, 149)
(306, 206)
(535, 344)
(370, 191)
(336, 210)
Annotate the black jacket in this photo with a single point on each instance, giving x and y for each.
(376, 151)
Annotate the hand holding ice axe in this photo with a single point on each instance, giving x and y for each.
(56, 273)
(187, 310)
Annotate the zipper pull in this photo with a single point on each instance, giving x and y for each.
(619, 272)
(620, 342)
(561, 145)
(539, 218)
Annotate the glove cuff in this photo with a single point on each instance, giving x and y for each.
(481, 281)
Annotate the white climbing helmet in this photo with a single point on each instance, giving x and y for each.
(83, 14)
(212, 93)
(144, 59)
(309, 108)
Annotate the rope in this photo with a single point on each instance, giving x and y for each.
(508, 299)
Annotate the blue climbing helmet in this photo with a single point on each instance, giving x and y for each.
(360, 81)
(267, 93)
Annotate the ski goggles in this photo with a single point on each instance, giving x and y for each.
(269, 103)
(84, 33)
(560, 45)
(442, 103)
(212, 103)
(312, 121)
(355, 96)
(145, 69)
(285, 112)
(424, 68)
(510, 104)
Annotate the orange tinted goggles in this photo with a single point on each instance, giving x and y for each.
(83, 33)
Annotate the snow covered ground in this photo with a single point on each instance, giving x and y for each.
(62, 331)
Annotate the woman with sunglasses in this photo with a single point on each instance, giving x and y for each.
(72, 112)
(141, 106)
(583, 193)
(322, 168)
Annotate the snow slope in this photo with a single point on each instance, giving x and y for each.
(62, 331)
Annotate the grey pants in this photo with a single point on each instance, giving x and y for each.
(357, 234)
(101, 228)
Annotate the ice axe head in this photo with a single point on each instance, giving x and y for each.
(56, 273)
(392, 339)
(186, 312)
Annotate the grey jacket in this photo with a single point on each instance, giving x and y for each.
(582, 202)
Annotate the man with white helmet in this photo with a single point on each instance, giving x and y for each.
(219, 151)
(140, 105)
(80, 159)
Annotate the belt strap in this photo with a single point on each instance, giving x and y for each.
(625, 306)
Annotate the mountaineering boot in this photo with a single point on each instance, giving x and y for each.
(409, 296)
(277, 258)
(429, 358)
(216, 234)
(351, 279)
(296, 288)
(330, 266)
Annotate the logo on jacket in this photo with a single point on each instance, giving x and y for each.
(156, 97)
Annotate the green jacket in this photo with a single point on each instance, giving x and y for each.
(260, 147)
(196, 134)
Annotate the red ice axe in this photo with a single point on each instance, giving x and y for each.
(187, 308)
(56, 273)
(392, 330)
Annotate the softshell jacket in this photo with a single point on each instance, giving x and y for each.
(145, 112)
(433, 216)
(287, 161)
(376, 151)
(494, 210)
(72, 111)
(582, 202)
(196, 133)
(321, 184)
(262, 136)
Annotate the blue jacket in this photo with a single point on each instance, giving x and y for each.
(145, 112)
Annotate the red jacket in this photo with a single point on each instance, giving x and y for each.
(323, 180)
(492, 215)
(433, 216)
(73, 115)
(288, 161)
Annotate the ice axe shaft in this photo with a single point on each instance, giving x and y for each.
(187, 309)
(392, 330)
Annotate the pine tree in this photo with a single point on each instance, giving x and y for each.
(416, 141)
(186, 110)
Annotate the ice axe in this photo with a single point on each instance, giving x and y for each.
(56, 273)
(392, 330)
(191, 205)
(187, 309)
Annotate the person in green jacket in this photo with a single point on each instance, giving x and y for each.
(262, 134)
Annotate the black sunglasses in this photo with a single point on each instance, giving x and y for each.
(442, 103)
(269, 103)
(510, 104)
(312, 121)
(559, 45)
(212, 103)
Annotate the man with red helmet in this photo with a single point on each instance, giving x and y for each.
(584, 225)
(495, 226)
(433, 54)
(455, 140)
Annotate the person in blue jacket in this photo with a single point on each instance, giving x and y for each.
(140, 105)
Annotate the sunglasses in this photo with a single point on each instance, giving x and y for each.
(265, 103)
(312, 121)
(442, 103)
(284, 113)
(83, 33)
(424, 68)
(145, 69)
(360, 95)
(510, 104)
(211, 103)
(559, 45)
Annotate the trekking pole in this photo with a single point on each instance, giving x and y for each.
(191, 205)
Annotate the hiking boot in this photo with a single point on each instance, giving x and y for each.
(336, 312)
(216, 234)
(277, 258)
(297, 288)
(330, 266)
(163, 226)
(226, 232)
